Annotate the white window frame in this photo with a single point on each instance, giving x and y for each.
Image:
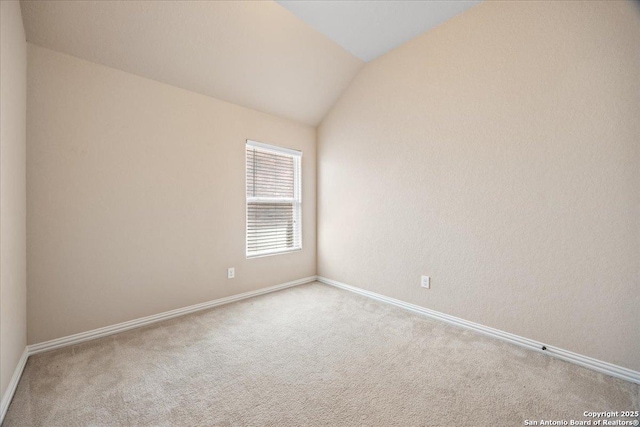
(296, 200)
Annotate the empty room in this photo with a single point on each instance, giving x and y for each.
(319, 213)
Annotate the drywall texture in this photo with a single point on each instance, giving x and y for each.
(13, 109)
(136, 197)
(499, 154)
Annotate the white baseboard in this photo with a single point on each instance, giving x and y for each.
(125, 326)
(143, 321)
(587, 362)
(13, 384)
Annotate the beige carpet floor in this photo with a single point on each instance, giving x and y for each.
(311, 355)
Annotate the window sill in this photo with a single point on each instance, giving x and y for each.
(266, 254)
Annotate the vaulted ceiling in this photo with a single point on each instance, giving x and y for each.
(369, 29)
(256, 54)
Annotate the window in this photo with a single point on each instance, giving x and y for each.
(274, 200)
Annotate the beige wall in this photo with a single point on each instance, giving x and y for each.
(136, 197)
(500, 154)
(253, 53)
(13, 85)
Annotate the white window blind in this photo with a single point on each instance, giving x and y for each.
(274, 199)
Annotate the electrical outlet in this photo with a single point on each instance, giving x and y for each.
(231, 273)
(425, 282)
